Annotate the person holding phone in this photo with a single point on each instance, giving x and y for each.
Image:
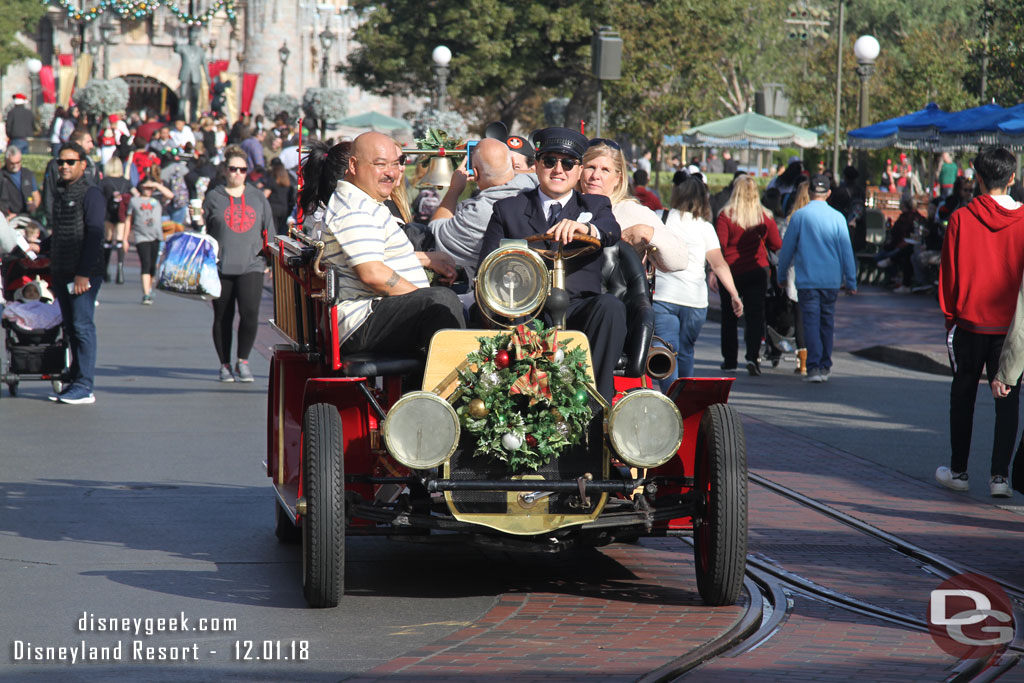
(75, 246)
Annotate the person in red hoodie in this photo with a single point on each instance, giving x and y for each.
(982, 267)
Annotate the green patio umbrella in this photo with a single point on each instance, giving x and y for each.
(750, 130)
(375, 121)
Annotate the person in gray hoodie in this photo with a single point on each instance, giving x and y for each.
(458, 227)
(238, 216)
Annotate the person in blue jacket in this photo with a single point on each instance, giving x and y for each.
(817, 244)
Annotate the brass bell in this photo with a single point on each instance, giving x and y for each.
(439, 174)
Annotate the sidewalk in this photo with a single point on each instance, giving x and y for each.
(905, 330)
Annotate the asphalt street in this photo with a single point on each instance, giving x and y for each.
(153, 503)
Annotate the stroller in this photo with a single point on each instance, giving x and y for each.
(31, 352)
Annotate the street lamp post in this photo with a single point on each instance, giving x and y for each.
(107, 31)
(326, 40)
(94, 50)
(34, 66)
(442, 56)
(839, 88)
(866, 51)
(283, 52)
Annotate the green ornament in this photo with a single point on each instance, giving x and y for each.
(580, 397)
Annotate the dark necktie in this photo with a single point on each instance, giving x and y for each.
(556, 211)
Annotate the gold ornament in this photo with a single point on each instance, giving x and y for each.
(478, 409)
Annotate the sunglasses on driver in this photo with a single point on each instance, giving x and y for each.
(551, 162)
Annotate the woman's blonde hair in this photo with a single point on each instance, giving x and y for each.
(801, 196)
(618, 160)
(114, 168)
(400, 196)
(744, 207)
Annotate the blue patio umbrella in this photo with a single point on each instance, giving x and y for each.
(883, 133)
(925, 131)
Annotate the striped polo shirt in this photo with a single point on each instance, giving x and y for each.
(357, 229)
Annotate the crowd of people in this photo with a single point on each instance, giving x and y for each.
(778, 259)
(116, 181)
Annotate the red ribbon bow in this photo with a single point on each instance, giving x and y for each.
(532, 383)
(531, 344)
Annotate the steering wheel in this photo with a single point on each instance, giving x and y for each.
(590, 245)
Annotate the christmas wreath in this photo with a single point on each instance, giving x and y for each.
(526, 400)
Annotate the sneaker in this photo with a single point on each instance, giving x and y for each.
(902, 289)
(147, 299)
(55, 396)
(753, 368)
(956, 481)
(727, 366)
(826, 374)
(814, 376)
(884, 263)
(999, 487)
(76, 395)
(225, 374)
(243, 372)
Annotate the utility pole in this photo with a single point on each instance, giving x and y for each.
(839, 89)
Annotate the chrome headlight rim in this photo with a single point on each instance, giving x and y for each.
(395, 413)
(492, 303)
(617, 409)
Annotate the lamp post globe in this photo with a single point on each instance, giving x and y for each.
(442, 56)
(866, 49)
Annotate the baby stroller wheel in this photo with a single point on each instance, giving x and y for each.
(13, 388)
(57, 386)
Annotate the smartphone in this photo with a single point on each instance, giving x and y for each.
(469, 156)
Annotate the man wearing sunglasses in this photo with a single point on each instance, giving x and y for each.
(556, 209)
(75, 246)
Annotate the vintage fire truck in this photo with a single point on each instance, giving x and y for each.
(372, 444)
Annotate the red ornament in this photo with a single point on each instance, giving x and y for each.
(531, 440)
(501, 359)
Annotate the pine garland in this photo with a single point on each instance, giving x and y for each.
(540, 401)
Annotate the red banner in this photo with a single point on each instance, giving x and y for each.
(248, 90)
(66, 59)
(217, 66)
(48, 84)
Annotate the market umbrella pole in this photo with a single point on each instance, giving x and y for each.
(839, 88)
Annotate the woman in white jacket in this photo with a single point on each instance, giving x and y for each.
(681, 296)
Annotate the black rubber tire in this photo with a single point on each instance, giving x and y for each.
(57, 386)
(323, 525)
(12, 387)
(286, 532)
(720, 527)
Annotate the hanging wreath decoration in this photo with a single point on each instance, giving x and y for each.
(138, 9)
(526, 401)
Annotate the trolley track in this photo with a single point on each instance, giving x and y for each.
(770, 587)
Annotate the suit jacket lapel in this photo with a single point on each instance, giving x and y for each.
(534, 213)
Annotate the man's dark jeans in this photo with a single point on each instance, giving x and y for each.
(404, 324)
(818, 308)
(78, 312)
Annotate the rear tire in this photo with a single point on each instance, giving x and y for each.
(323, 525)
(13, 388)
(720, 526)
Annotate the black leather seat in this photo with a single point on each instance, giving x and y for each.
(624, 276)
(378, 365)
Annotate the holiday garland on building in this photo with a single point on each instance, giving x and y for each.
(526, 400)
(138, 9)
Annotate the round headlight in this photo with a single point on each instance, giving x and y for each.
(512, 281)
(421, 430)
(646, 428)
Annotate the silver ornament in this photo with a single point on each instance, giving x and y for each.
(559, 355)
(562, 428)
(489, 380)
(511, 442)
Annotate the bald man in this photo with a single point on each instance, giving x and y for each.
(388, 305)
(459, 228)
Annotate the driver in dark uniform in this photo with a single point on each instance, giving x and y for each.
(557, 209)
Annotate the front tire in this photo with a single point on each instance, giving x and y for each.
(720, 527)
(323, 525)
